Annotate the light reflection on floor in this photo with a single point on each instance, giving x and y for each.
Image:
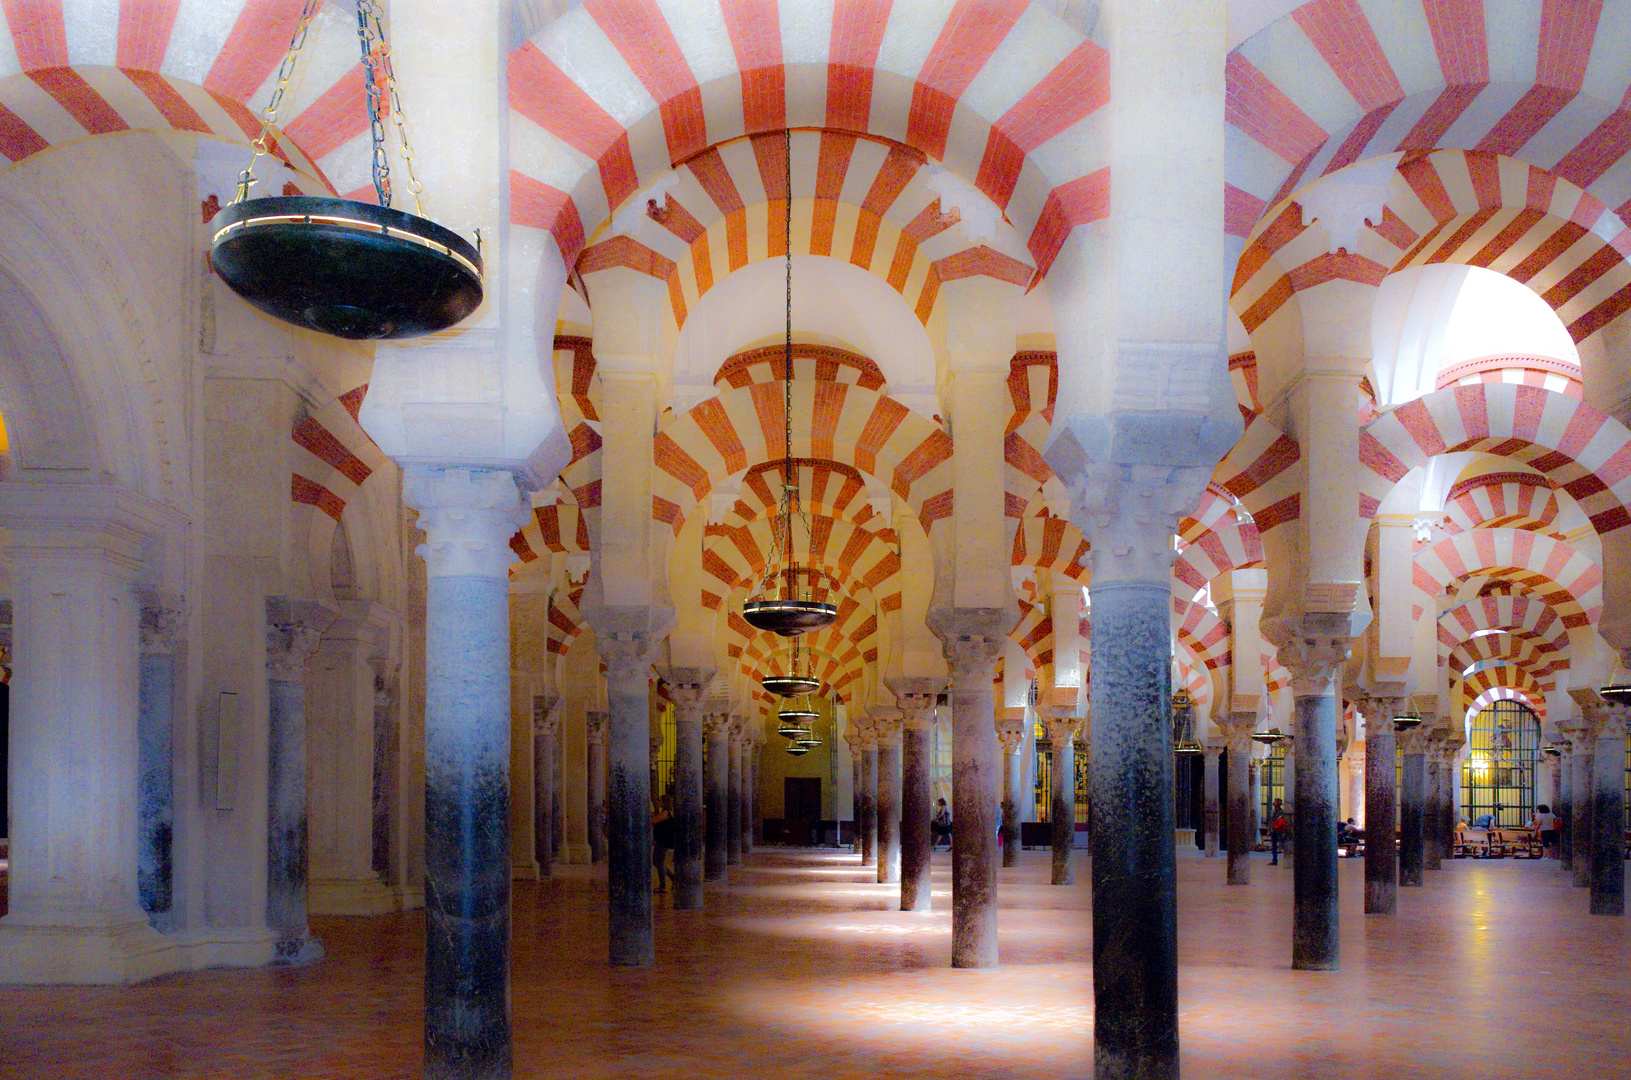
(804, 967)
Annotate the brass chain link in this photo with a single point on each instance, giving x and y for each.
(269, 114)
(378, 69)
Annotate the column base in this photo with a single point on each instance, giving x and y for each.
(524, 870)
(125, 953)
(349, 896)
(1184, 838)
(297, 951)
(578, 855)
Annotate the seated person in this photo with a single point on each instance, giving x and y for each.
(1484, 821)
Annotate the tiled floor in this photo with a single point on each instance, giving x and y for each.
(801, 968)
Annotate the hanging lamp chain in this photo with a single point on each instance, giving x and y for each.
(263, 141)
(380, 80)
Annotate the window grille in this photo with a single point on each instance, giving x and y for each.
(1498, 776)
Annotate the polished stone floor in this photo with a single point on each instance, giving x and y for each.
(801, 968)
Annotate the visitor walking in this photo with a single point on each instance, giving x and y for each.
(662, 841)
(940, 826)
(1546, 824)
(1279, 830)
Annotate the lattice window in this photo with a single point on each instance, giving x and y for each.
(662, 770)
(1044, 778)
(1498, 777)
(1271, 779)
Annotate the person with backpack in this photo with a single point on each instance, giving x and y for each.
(1279, 831)
(941, 826)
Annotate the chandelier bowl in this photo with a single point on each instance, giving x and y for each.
(1616, 694)
(797, 749)
(1405, 723)
(348, 269)
(790, 685)
(1270, 737)
(789, 617)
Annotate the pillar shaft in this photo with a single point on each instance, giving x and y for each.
(889, 805)
(1565, 809)
(1381, 809)
(688, 808)
(1062, 799)
(1411, 799)
(1315, 944)
(733, 800)
(916, 807)
(869, 802)
(544, 749)
(715, 792)
(155, 793)
(1011, 782)
(628, 802)
(750, 753)
(1210, 781)
(1608, 816)
(1432, 848)
(1242, 835)
(1585, 814)
(596, 724)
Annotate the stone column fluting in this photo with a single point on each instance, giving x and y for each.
(628, 796)
(972, 658)
(1313, 654)
(1381, 808)
(1565, 806)
(916, 799)
(595, 722)
(1010, 737)
(887, 724)
(1608, 811)
(546, 727)
(294, 629)
(1412, 800)
(688, 686)
(1062, 728)
(468, 517)
(162, 617)
(716, 726)
(1214, 751)
(733, 794)
(1237, 733)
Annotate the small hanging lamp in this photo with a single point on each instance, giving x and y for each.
(1406, 722)
(348, 269)
(781, 603)
(793, 683)
(1270, 737)
(797, 749)
(1183, 724)
(789, 726)
(809, 739)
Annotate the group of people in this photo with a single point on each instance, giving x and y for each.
(1544, 823)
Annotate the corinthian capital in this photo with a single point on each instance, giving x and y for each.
(468, 516)
(1010, 729)
(688, 686)
(294, 628)
(546, 714)
(1312, 648)
(162, 617)
(1130, 513)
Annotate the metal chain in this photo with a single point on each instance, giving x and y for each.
(790, 486)
(269, 114)
(373, 76)
(376, 49)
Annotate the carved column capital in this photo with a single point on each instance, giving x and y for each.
(294, 629)
(1313, 658)
(688, 686)
(1130, 513)
(595, 722)
(468, 516)
(1010, 730)
(627, 657)
(163, 617)
(886, 725)
(969, 654)
(917, 710)
(546, 714)
(1237, 729)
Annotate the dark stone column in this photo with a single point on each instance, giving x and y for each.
(155, 785)
(1585, 807)
(557, 816)
(1135, 946)
(1062, 797)
(468, 516)
(971, 652)
(916, 801)
(1010, 737)
(857, 775)
(889, 796)
(1412, 782)
(1432, 825)
(716, 792)
(595, 729)
(293, 630)
(1314, 654)
(546, 726)
(1565, 807)
(1242, 835)
(750, 780)
(628, 797)
(1608, 813)
(689, 688)
(869, 796)
(1210, 787)
(1381, 808)
(733, 795)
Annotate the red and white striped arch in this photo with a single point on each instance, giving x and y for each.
(856, 559)
(1050, 543)
(71, 69)
(1511, 499)
(555, 529)
(1262, 472)
(615, 93)
(566, 620)
(1505, 682)
(1469, 209)
(1540, 661)
(1335, 82)
(1520, 616)
(1033, 384)
(333, 456)
(1203, 631)
(1580, 449)
(1558, 376)
(1230, 545)
(1553, 570)
(1034, 634)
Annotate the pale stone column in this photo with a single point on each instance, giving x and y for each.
(856, 788)
(750, 773)
(716, 793)
(917, 800)
(866, 783)
(972, 659)
(162, 617)
(385, 854)
(628, 796)
(468, 517)
(1585, 748)
(733, 794)
(1313, 654)
(1356, 782)
(887, 736)
(546, 729)
(1010, 732)
(1062, 728)
(595, 722)
(688, 686)
(1381, 808)
(1564, 786)
(75, 914)
(1237, 734)
(1412, 784)
(1434, 786)
(1214, 751)
(1608, 811)
(294, 629)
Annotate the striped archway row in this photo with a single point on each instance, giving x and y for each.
(1492, 650)
(1261, 471)
(1194, 676)
(1033, 384)
(1508, 677)
(1053, 544)
(855, 558)
(334, 457)
(1508, 499)
(1486, 698)
(1580, 449)
(1553, 570)
(727, 206)
(566, 620)
(557, 529)
(1517, 615)
(1203, 631)
(613, 94)
(1034, 634)
(1333, 83)
(1470, 209)
(1216, 504)
(576, 384)
(826, 487)
(1228, 546)
(71, 69)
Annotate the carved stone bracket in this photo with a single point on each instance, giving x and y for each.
(468, 517)
(595, 724)
(294, 629)
(1130, 513)
(546, 714)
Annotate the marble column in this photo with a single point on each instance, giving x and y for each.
(689, 689)
(1214, 751)
(1242, 815)
(972, 659)
(733, 794)
(468, 517)
(161, 621)
(73, 552)
(628, 796)
(1313, 655)
(715, 792)
(1381, 808)
(1412, 796)
(546, 727)
(857, 768)
(1062, 796)
(1565, 806)
(294, 628)
(888, 727)
(595, 722)
(916, 800)
(869, 795)
(385, 847)
(1585, 786)
(1434, 782)
(1608, 812)
(1010, 737)
(557, 813)
(1254, 769)
(750, 773)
